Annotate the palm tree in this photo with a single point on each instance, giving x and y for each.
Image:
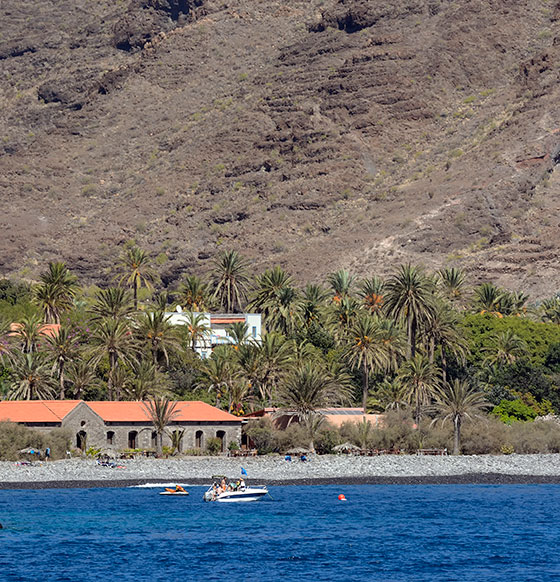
(372, 292)
(230, 280)
(28, 333)
(457, 402)
(81, 376)
(313, 304)
(410, 298)
(113, 302)
(267, 287)
(284, 311)
(30, 377)
(193, 294)
(550, 310)
(156, 331)
(443, 331)
(341, 317)
(219, 372)
(365, 350)
(62, 348)
(145, 381)
(161, 412)
(342, 283)
(196, 329)
(56, 292)
(307, 388)
(136, 271)
(392, 394)
(421, 378)
(505, 348)
(452, 282)
(114, 339)
(239, 332)
(488, 298)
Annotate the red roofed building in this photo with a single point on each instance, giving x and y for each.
(124, 425)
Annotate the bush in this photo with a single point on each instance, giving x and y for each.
(535, 437)
(15, 437)
(509, 411)
(484, 436)
(264, 435)
(194, 452)
(214, 445)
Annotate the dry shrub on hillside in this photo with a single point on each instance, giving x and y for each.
(535, 437)
(484, 436)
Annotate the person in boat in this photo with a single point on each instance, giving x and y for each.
(179, 489)
(241, 483)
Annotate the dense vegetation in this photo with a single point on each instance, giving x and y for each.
(422, 342)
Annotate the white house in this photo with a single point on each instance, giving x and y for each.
(219, 324)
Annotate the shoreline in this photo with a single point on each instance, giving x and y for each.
(274, 470)
(465, 479)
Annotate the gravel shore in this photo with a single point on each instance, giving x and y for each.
(275, 470)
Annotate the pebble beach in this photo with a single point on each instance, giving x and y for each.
(406, 469)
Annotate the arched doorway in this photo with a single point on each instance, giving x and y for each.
(154, 439)
(110, 437)
(198, 439)
(222, 436)
(133, 439)
(81, 440)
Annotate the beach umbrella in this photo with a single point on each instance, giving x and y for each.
(297, 451)
(346, 447)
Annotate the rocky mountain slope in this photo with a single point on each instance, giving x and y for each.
(314, 134)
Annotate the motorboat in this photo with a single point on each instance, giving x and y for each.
(234, 491)
(177, 490)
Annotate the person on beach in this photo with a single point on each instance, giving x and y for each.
(288, 458)
(47, 454)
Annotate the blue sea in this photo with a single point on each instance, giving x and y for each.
(382, 532)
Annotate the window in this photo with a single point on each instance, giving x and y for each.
(132, 439)
(254, 331)
(110, 437)
(198, 439)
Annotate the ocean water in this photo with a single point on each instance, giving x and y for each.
(382, 533)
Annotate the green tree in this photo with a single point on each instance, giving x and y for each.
(372, 293)
(409, 297)
(113, 302)
(505, 348)
(136, 271)
(196, 329)
(30, 377)
(28, 334)
(113, 339)
(155, 330)
(194, 294)
(458, 402)
(266, 290)
(452, 283)
(161, 412)
(342, 284)
(239, 333)
(62, 348)
(230, 280)
(55, 294)
(421, 379)
(81, 376)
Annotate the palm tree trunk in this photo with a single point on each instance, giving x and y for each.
(61, 379)
(135, 293)
(365, 387)
(112, 366)
(417, 411)
(443, 365)
(457, 436)
(159, 446)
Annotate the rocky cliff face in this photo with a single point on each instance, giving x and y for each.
(316, 134)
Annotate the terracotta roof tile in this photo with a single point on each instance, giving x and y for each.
(36, 410)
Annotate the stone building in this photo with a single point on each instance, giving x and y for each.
(124, 425)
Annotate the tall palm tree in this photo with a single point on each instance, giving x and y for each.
(113, 302)
(155, 330)
(443, 331)
(457, 402)
(392, 394)
(28, 333)
(230, 280)
(113, 339)
(410, 297)
(81, 376)
(161, 412)
(196, 329)
(307, 388)
(365, 350)
(342, 316)
(421, 378)
(487, 299)
(550, 310)
(372, 293)
(194, 294)
(342, 284)
(145, 381)
(56, 292)
(219, 372)
(266, 289)
(136, 270)
(505, 348)
(313, 304)
(30, 377)
(284, 311)
(62, 348)
(452, 282)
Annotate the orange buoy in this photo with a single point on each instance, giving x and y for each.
(341, 497)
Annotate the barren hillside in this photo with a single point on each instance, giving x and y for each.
(314, 134)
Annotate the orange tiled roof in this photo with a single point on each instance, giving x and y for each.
(191, 411)
(36, 410)
(48, 329)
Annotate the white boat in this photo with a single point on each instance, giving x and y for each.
(235, 494)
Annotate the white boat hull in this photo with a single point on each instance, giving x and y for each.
(246, 495)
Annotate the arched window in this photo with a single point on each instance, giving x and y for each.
(81, 440)
(154, 439)
(222, 436)
(198, 439)
(133, 439)
(110, 437)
